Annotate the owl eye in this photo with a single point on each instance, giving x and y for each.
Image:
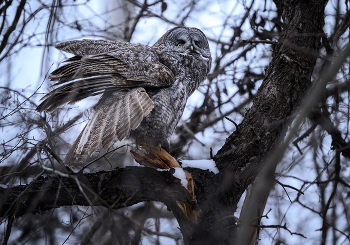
(180, 43)
(197, 43)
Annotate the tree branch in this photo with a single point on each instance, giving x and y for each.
(116, 189)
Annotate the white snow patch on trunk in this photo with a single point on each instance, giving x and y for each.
(202, 164)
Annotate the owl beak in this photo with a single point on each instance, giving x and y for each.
(191, 47)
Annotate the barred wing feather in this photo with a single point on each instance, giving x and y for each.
(114, 116)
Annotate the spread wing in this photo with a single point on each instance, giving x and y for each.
(121, 72)
(90, 72)
(114, 115)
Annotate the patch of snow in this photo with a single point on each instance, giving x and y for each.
(180, 174)
(202, 164)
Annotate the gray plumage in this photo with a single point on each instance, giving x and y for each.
(144, 89)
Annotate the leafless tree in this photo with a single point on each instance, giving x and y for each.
(273, 114)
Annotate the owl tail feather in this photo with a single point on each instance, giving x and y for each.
(115, 115)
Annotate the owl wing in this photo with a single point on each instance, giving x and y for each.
(121, 71)
(91, 47)
(115, 114)
(90, 72)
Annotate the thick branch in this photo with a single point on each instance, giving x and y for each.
(115, 189)
(118, 188)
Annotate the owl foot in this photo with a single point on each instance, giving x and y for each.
(156, 157)
(159, 158)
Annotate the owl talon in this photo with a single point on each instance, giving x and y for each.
(156, 157)
(160, 159)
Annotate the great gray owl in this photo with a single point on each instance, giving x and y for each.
(144, 89)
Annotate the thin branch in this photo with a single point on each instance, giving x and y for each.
(232, 122)
(283, 186)
(281, 227)
(257, 41)
(304, 135)
(12, 28)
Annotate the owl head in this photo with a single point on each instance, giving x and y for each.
(187, 41)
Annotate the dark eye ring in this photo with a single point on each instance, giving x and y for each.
(197, 43)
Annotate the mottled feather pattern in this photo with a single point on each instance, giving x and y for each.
(116, 115)
(90, 47)
(110, 130)
(144, 89)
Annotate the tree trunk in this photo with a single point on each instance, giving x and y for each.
(286, 80)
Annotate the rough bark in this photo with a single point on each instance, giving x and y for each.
(286, 80)
(118, 188)
(239, 161)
